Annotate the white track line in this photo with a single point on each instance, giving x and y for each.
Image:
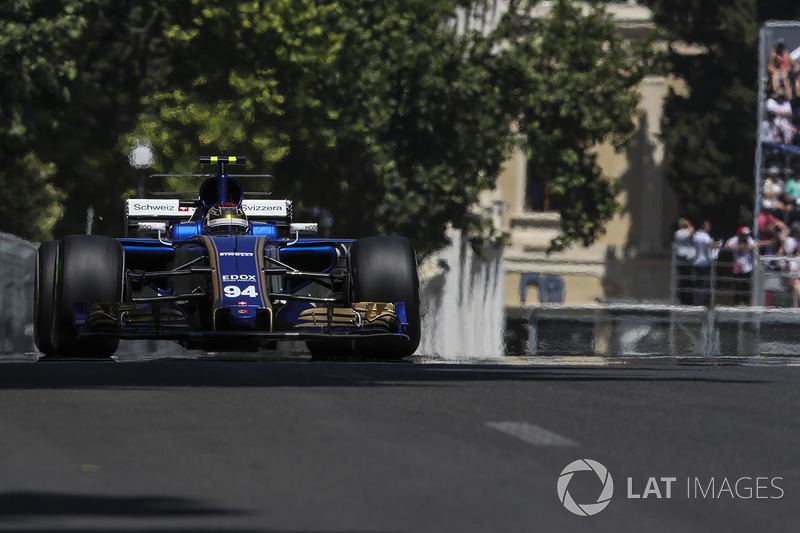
(532, 434)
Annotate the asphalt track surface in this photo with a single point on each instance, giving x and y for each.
(294, 445)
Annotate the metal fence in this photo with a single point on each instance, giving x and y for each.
(768, 322)
(17, 258)
(773, 283)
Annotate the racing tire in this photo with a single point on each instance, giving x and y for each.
(90, 268)
(384, 269)
(44, 291)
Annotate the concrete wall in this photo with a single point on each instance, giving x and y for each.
(651, 330)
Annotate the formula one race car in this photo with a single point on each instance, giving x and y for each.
(224, 272)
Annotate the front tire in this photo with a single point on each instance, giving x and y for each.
(384, 269)
(90, 269)
(44, 291)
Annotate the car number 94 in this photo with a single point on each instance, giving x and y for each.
(232, 291)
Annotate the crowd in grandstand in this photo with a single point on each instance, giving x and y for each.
(779, 128)
(778, 220)
(777, 223)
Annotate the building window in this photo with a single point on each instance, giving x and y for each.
(537, 191)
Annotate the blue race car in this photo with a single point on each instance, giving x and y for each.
(225, 271)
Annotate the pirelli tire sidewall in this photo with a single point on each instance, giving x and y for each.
(384, 269)
(44, 292)
(90, 268)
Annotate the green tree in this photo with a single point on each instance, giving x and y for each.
(33, 71)
(709, 129)
(394, 117)
(421, 127)
(243, 73)
(121, 55)
(380, 113)
(575, 78)
(73, 73)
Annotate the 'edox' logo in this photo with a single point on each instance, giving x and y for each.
(586, 509)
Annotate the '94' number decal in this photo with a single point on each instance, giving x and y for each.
(232, 291)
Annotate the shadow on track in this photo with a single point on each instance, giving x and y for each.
(15, 505)
(21, 507)
(193, 373)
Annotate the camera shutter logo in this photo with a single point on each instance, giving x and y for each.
(586, 509)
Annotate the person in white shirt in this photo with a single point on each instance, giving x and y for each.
(791, 267)
(790, 244)
(782, 108)
(771, 193)
(683, 249)
(792, 271)
(703, 246)
(742, 245)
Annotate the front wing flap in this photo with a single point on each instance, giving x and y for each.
(164, 322)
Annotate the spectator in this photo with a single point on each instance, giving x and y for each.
(791, 267)
(771, 136)
(790, 244)
(703, 246)
(742, 246)
(770, 133)
(684, 255)
(791, 270)
(780, 67)
(782, 108)
(791, 213)
(771, 233)
(771, 193)
(796, 56)
(792, 188)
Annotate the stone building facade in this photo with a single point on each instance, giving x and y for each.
(631, 262)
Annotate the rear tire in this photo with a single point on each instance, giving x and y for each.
(90, 269)
(44, 291)
(384, 269)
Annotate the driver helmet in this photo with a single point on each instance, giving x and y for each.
(226, 219)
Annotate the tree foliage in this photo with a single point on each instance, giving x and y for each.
(421, 127)
(34, 67)
(73, 74)
(240, 79)
(378, 113)
(393, 117)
